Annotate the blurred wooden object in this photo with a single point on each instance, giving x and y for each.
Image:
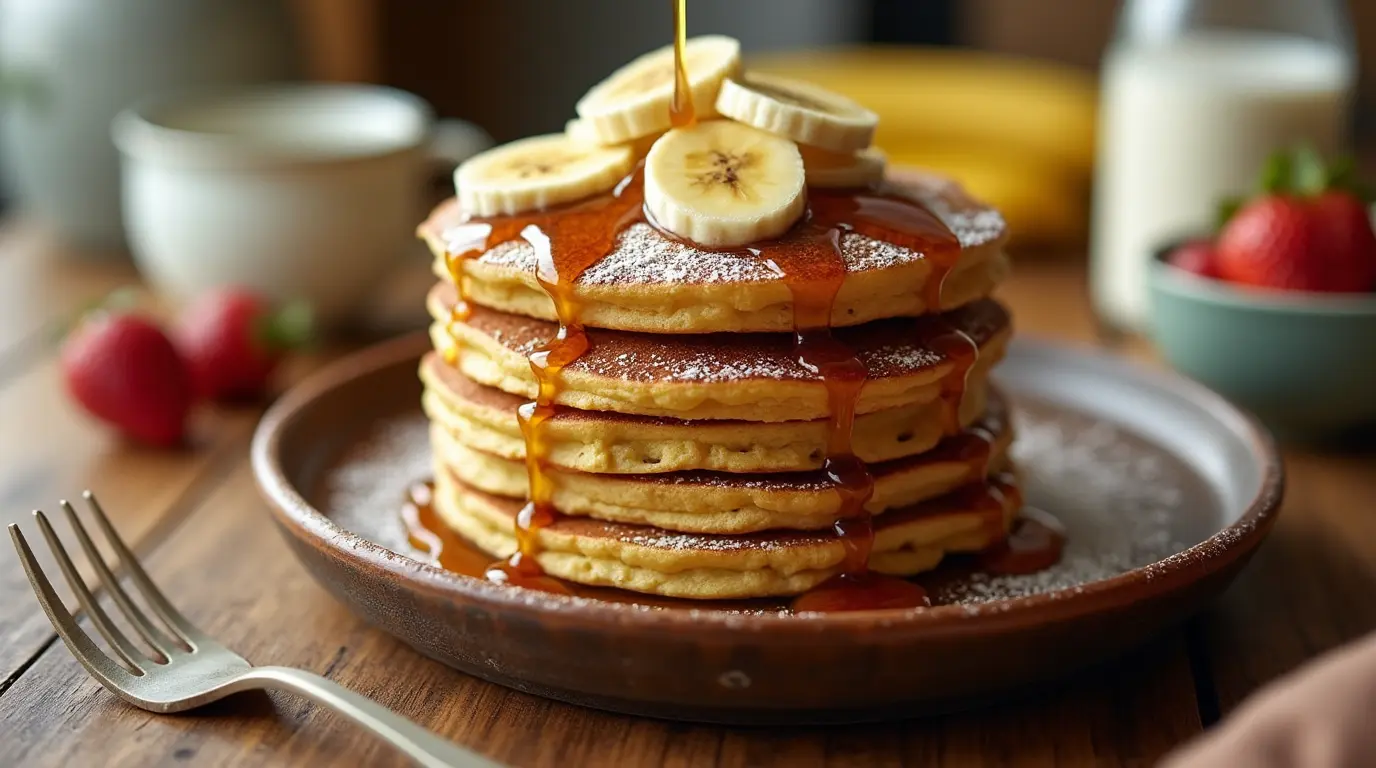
(1079, 36)
(343, 39)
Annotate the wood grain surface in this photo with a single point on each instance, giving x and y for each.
(197, 519)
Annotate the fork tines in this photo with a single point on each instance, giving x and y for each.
(171, 635)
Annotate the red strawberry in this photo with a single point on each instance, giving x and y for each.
(1351, 242)
(1309, 231)
(233, 341)
(1198, 257)
(125, 371)
(1274, 242)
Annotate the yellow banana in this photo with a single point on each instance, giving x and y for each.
(1042, 110)
(1042, 202)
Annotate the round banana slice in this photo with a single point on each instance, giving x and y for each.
(799, 111)
(536, 173)
(835, 170)
(722, 184)
(582, 132)
(634, 100)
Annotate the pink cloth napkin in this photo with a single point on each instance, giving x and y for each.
(1322, 715)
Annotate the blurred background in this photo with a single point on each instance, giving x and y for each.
(448, 50)
(1086, 122)
(517, 67)
(1106, 132)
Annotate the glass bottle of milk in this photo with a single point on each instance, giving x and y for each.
(1195, 95)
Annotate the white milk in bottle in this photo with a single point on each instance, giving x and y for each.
(1189, 121)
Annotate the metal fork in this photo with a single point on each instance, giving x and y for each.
(189, 668)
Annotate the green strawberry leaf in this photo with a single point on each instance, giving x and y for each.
(1342, 176)
(291, 326)
(1309, 174)
(1301, 170)
(1276, 175)
(1227, 209)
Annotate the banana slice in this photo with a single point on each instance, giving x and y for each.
(634, 100)
(831, 170)
(538, 172)
(582, 132)
(798, 111)
(724, 184)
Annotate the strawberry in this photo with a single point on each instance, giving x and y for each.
(125, 371)
(1198, 257)
(1308, 231)
(1347, 220)
(233, 340)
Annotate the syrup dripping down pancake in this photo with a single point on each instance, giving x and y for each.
(704, 566)
(753, 377)
(484, 418)
(653, 283)
(727, 503)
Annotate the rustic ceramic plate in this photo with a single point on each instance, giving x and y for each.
(1165, 490)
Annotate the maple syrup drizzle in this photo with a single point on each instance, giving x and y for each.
(905, 223)
(427, 532)
(681, 110)
(974, 447)
(464, 241)
(814, 268)
(956, 346)
(442, 547)
(566, 244)
(567, 241)
(1035, 543)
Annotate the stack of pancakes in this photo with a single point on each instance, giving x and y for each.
(687, 445)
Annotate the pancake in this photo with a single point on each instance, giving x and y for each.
(704, 566)
(484, 418)
(653, 283)
(754, 377)
(720, 502)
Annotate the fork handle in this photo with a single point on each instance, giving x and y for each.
(424, 747)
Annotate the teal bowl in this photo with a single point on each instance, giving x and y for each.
(1304, 363)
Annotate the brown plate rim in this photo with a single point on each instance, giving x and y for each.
(298, 517)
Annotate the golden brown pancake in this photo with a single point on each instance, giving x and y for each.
(727, 503)
(754, 377)
(656, 284)
(705, 566)
(484, 418)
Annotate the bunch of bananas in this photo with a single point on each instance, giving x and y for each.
(1018, 134)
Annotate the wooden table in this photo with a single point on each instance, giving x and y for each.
(197, 520)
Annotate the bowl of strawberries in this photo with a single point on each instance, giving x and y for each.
(1277, 309)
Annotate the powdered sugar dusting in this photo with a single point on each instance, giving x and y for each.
(703, 366)
(364, 490)
(688, 542)
(890, 348)
(643, 256)
(1126, 504)
(973, 224)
